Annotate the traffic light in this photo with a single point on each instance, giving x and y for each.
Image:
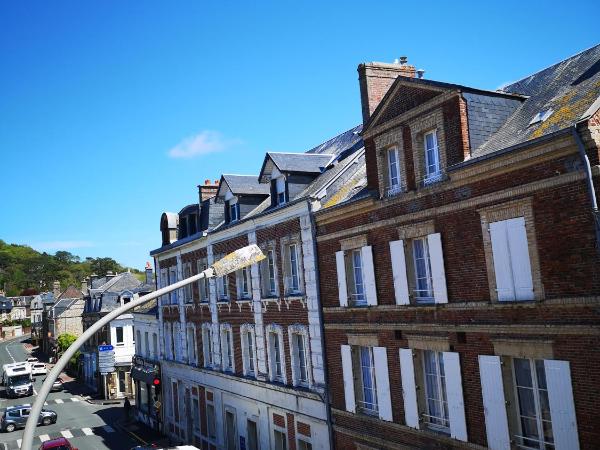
(156, 381)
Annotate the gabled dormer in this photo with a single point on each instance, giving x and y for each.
(288, 174)
(240, 194)
(189, 221)
(421, 127)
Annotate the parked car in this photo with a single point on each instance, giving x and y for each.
(14, 417)
(32, 359)
(39, 369)
(57, 385)
(57, 444)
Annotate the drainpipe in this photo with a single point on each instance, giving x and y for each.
(324, 353)
(590, 184)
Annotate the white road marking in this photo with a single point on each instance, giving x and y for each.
(58, 401)
(67, 434)
(108, 429)
(87, 431)
(45, 403)
(74, 399)
(34, 391)
(44, 437)
(19, 442)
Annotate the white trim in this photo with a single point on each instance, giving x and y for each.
(278, 330)
(300, 330)
(348, 376)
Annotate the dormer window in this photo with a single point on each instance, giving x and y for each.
(234, 209)
(432, 158)
(280, 190)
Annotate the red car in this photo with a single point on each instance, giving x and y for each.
(57, 444)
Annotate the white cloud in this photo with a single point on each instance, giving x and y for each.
(62, 245)
(203, 143)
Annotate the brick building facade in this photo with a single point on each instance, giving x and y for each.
(241, 356)
(461, 293)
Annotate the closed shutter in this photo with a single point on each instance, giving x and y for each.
(438, 273)
(348, 378)
(369, 275)
(399, 272)
(494, 406)
(562, 406)
(382, 381)
(409, 388)
(341, 276)
(454, 393)
(519, 255)
(502, 266)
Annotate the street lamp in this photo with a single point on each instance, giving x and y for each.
(234, 261)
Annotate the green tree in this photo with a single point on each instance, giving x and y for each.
(100, 266)
(64, 341)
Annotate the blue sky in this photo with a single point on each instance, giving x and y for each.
(113, 112)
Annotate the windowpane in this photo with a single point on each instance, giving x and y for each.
(280, 440)
(393, 167)
(358, 293)
(300, 348)
(294, 282)
(275, 355)
(367, 373)
(432, 165)
(271, 262)
(210, 421)
(119, 334)
(424, 285)
(250, 343)
(435, 390)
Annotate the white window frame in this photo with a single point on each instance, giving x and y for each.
(227, 353)
(203, 283)
(187, 289)
(234, 209)
(269, 285)
(432, 177)
(440, 382)
(361, 404)
(211, 433)
(357, 298)
(393, 188)
(290, 289)
(207, 345)
(249, 353)
(173, 280)
(427, 276)
(244, 277)
(274, 334)
(192, 352)
(294, 332)
(280, 190)
(222, 288)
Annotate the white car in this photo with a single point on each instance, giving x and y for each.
(32, 359)
(39, 369)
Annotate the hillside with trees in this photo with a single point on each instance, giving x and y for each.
(25, 271)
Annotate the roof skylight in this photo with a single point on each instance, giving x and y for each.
(541, 116)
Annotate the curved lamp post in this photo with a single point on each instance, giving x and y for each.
(234, 261)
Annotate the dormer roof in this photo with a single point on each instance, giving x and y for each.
(242, 185)
(311, 163)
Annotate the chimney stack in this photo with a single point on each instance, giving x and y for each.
(56, 289)
(149, 273)
(110, 275)
(84, 286)
(375, 78)
(207, 190)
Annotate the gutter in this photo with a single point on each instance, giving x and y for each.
(590, 184)
(322, 327)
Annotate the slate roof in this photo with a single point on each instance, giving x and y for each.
(150, 308)
(122, 282)
(244, 184)
(5, 304)
(70, 292)
(300, 162)
(63, 305)
(571, 88)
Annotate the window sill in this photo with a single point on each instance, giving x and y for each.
(244, 300)
(393, 191)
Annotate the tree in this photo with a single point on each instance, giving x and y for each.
(66, 257)
(64, 341)
(100, 266)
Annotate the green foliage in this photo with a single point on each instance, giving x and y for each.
(22, 267)
(64, 341)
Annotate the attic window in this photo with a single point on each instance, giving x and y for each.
(541, 116)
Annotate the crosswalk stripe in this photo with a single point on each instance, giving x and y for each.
(58, 401)
(67, 434)
(108, 429)
(19, 442)
(74, 399)
(87, 431)
(44, 437)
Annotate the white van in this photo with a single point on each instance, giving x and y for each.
(17, 379)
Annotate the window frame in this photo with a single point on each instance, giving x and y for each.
(203, 283)
(118, 342)
(427, 276)
(276, 353)
(431, 177)
(359, 382)
(393, 188)
(286, 244)
(207, 346)
(281, 195)
(192, 349)
(172, 271)
(440, 381)
(269, 287)
(227, 348)
(244, 277)
(187, 289)
(249, 353)
(296, 332)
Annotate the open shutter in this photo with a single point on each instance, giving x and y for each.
(502, 266)
(409, 388)
(227, 213)
(384, 400)
(562, 406)
(454, 393)
(369, 274)
(519, 255)
(341, 276)
(399, 272)
(438, 274)
(494, 406)
(348, 378)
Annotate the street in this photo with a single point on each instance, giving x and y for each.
(85, 425)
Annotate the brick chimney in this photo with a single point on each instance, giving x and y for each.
(84, 286)
(207, 190)
(149, 273)
(375, 78)
(56, 289)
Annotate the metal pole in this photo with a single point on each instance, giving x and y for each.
(230, 263)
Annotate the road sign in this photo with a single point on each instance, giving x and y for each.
(105, 348)
(106, 359)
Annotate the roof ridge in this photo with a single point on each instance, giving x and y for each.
(304, 153)
(237, 175)
(549, 67)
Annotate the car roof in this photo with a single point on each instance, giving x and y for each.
(55, 442)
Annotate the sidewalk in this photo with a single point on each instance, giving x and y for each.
(143, 433)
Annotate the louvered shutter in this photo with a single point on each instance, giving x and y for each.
(399, 272)
(369, 274)
(409, 388)
(562, 406)
(348, 378)
(519, 255)
(454, 393)
(494, 406)
(382, 381)
(438, 273)
(341, 276)
(502, 265)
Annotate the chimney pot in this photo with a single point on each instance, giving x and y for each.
(206, 182)
(420, 73)
(403, 60)
(216, 182)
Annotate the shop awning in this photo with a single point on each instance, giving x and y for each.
(144, 374)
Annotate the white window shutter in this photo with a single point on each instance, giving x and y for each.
(409, 388)
(494, 405)
(348, 378)
(454, 393)
(369, 274)
(562, 406)
(438, 273)
(341, 276)
(519, 255)
(399, 272)
(502, 264)
(382, 380)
